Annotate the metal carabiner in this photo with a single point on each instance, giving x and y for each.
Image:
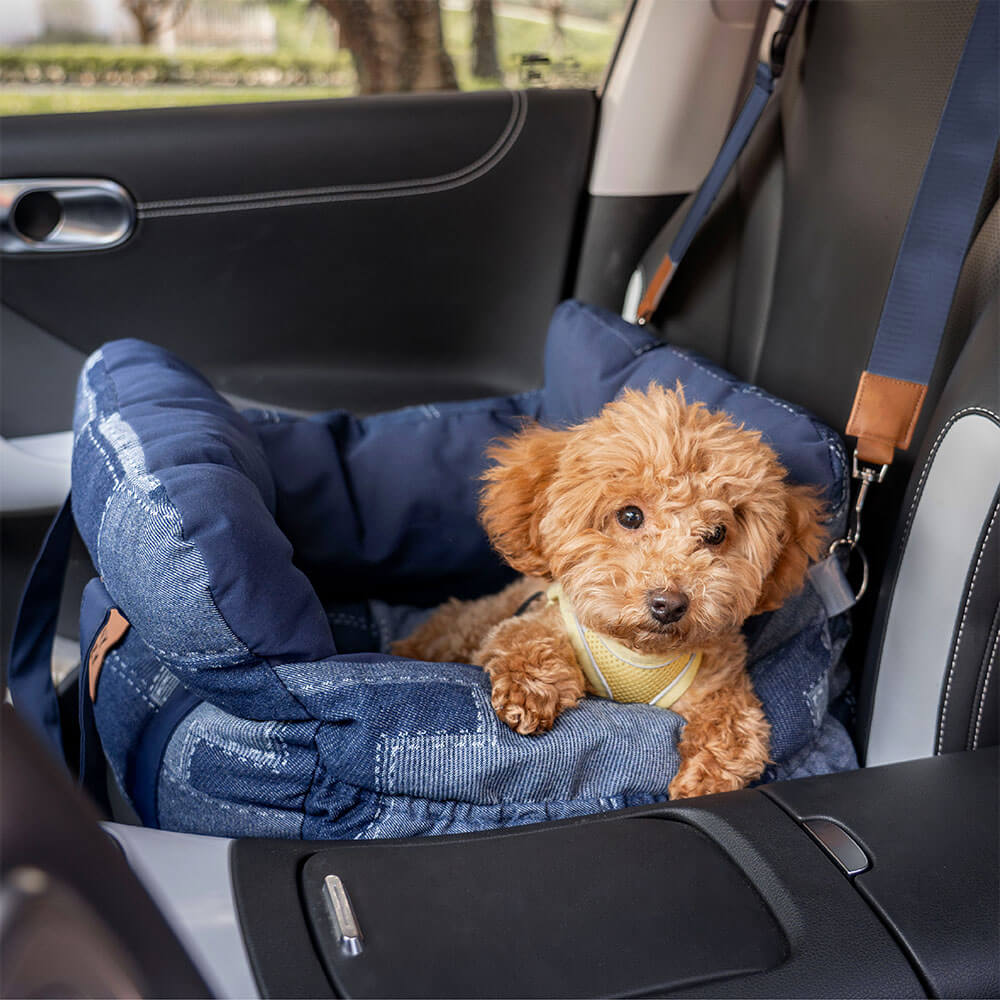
(866, 476)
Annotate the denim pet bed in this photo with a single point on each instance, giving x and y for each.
(266, 561)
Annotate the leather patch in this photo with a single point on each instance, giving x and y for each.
(884, 414)
(655, 289)
(112, 631)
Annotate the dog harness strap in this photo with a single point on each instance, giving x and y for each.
(940, 228)
(620, 673)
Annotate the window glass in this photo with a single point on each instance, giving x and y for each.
(89, 55)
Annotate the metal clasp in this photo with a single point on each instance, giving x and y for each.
(866, 475)
(778, 31)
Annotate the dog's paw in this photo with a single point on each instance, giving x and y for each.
(691, 782)
(527, 705)
(704, 774)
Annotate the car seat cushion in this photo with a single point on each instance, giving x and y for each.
(239, 546)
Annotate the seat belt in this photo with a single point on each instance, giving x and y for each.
(892, 388)
(777, 34)
(938, 233)
(891, 391)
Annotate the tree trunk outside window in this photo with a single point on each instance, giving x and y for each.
(396, 45)
(486, 64)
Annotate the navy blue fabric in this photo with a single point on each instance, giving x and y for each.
(944, 211)
(165, 461)
(592, 354)
(142, 773)
(238, 546)
(737, 138)
(29, 677)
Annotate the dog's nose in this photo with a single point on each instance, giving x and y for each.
(667, 606)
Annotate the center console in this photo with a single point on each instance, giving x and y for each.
(880, 882)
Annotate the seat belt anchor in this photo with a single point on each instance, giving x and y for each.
(778, 33)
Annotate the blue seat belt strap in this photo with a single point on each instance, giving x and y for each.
(746, 121)
(29, 676)
(937, 236)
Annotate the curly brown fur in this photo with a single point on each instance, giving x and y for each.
(550, 506)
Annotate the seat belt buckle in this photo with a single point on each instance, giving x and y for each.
(778, 31)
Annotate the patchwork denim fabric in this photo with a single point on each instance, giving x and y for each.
(265, 563)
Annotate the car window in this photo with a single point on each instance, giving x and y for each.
(88, 55)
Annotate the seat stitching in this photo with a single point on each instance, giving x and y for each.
(983, 683)
(961, 627)
(351, 192)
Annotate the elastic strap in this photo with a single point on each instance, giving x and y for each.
(143, 777)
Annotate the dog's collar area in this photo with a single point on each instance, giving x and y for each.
(619, 672)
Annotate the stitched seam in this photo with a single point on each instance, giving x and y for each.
(986, 687)
(115, 666)
(911, 513)
(312, 779)
(874, 435)
(516, 97)
(143, 501)
(357, 192)
(961, 626)
(983, 681)
(952, 420)
(363, 835)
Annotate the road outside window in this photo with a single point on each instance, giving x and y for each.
(91, 55)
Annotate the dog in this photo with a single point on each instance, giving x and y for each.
(647, 535)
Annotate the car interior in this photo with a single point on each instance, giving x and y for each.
(373, 253)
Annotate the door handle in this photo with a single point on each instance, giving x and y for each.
(59, 215)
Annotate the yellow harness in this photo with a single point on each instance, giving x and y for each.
(620, 673)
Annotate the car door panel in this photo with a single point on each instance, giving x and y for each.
(362, 253)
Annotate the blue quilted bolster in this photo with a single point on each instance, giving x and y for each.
(174, 498)
(228, 539)
(225, 537)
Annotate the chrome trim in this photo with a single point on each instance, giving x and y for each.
(96, 214)
(345, 924)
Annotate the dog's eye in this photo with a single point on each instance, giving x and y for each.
(630, 517)
(716, 536)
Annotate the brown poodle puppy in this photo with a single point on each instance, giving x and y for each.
(647, 536)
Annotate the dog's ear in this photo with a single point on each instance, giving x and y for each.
(512, 502)
(802, 538)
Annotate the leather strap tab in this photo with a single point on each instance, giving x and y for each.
(114, 628)
(654, 290)
(884, 415)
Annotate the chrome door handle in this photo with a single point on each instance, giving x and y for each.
(52, 215)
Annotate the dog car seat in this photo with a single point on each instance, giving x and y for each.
(264, 562)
